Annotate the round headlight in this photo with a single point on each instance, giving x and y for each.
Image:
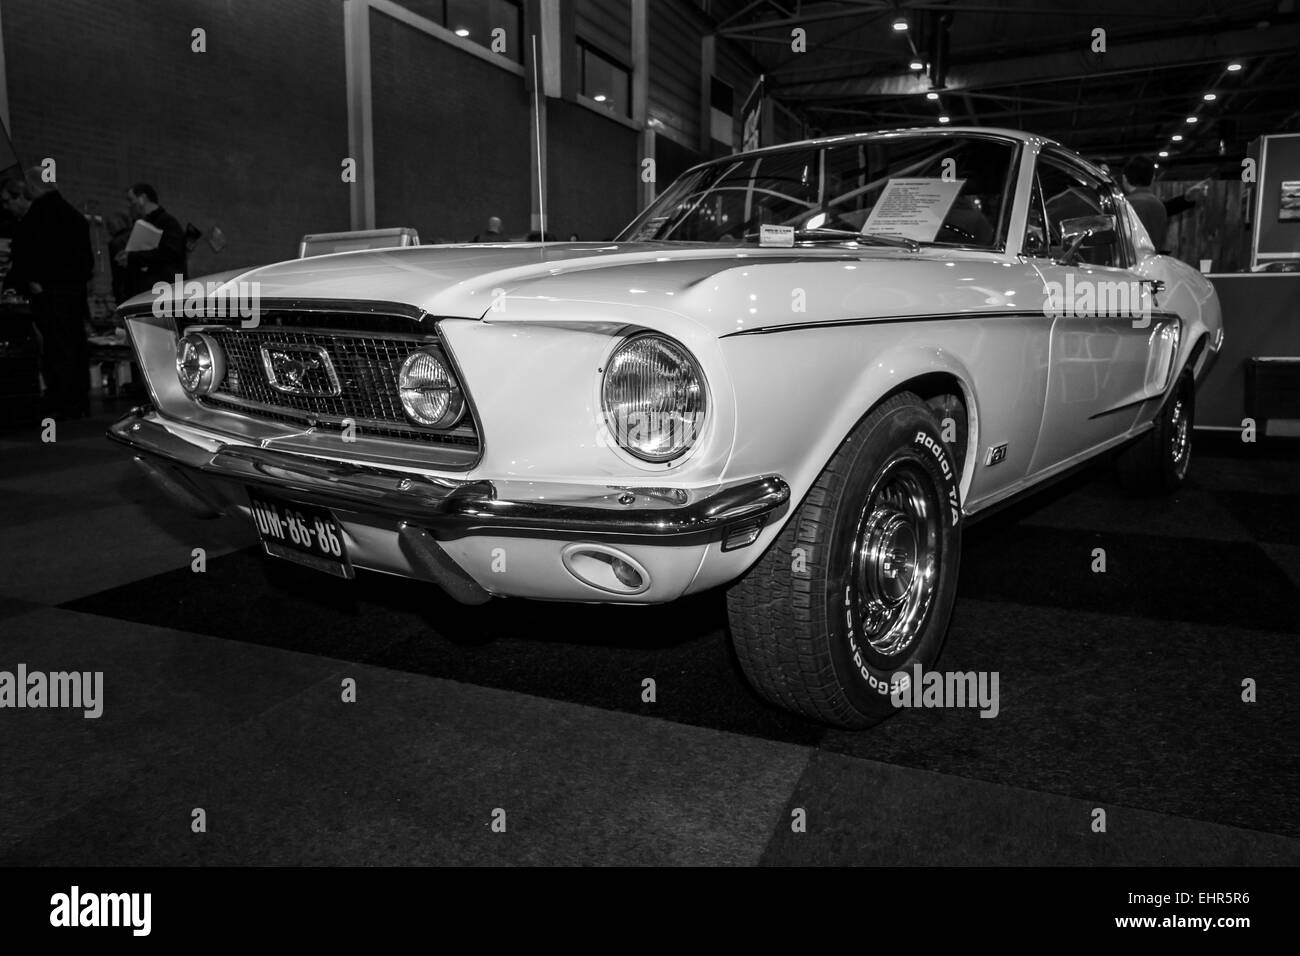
(654, 397)
(200, 364)
(429, 392)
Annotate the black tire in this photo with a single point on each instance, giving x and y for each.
(790, 614)
(1157, 463)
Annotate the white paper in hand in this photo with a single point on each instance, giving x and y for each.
(144, 236)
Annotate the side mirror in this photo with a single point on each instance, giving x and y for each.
(1075, 232)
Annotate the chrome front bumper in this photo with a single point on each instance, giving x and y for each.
(450, 509)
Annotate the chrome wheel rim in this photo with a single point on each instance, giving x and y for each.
(1180, 436)
(893, 570)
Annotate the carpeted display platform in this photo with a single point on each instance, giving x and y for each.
(1119, 689)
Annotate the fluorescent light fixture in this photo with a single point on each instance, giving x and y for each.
(1163, 153)
(1177, 137)
(1193, 119)
(900, 24)
(1234, 67)
(1211, 97)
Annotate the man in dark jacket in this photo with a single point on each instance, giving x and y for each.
(1136, 179)
(118, 226)
(163, 263)
(52, 260)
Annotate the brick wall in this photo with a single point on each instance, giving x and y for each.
(593, 173)
(248, 135)
(451, 137)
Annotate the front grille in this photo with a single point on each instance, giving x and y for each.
(362, 387)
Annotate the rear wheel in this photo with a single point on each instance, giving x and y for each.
(1157, 462)
(860, 583)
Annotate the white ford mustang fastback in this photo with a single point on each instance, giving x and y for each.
(797, 373)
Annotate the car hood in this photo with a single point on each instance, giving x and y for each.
(464, 281)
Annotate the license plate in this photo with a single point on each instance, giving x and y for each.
(305, 534)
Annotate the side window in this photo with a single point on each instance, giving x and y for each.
(1070, 193)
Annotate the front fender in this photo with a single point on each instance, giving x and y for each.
(534, 372)
(797, 422)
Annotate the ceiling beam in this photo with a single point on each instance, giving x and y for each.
(1062, 65)
(1034, 11)
(842, 11)
(1159, 109)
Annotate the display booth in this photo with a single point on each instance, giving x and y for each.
(1260, 355)
(1276, 234)
(1257, 374)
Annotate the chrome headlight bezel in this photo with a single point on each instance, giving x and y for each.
(200, 364)
(449, 388)
(686, 418)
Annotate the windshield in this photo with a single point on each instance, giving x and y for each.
(947, 190)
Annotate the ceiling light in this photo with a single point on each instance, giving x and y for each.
(599, 97)
(943, 118)
(1234, 67)
(1193, 119)
(916, 65)
(1211, 97)
(462, 32)
(1177, 137)
(1163, 153)
(932, 95)
(900, 24)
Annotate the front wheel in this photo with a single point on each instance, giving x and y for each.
(860, 583)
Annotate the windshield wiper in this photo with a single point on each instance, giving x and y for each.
(842, 235)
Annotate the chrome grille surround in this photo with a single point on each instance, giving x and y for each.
(353, 378)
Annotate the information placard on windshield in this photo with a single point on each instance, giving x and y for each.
(912, 208)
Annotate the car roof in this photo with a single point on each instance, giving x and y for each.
(991, 132)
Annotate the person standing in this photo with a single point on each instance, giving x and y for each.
(52, 261)
(119, 231)
(493, 233)
(166, 261)
(1139, 172)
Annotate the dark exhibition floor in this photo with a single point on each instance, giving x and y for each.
(222, 691)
